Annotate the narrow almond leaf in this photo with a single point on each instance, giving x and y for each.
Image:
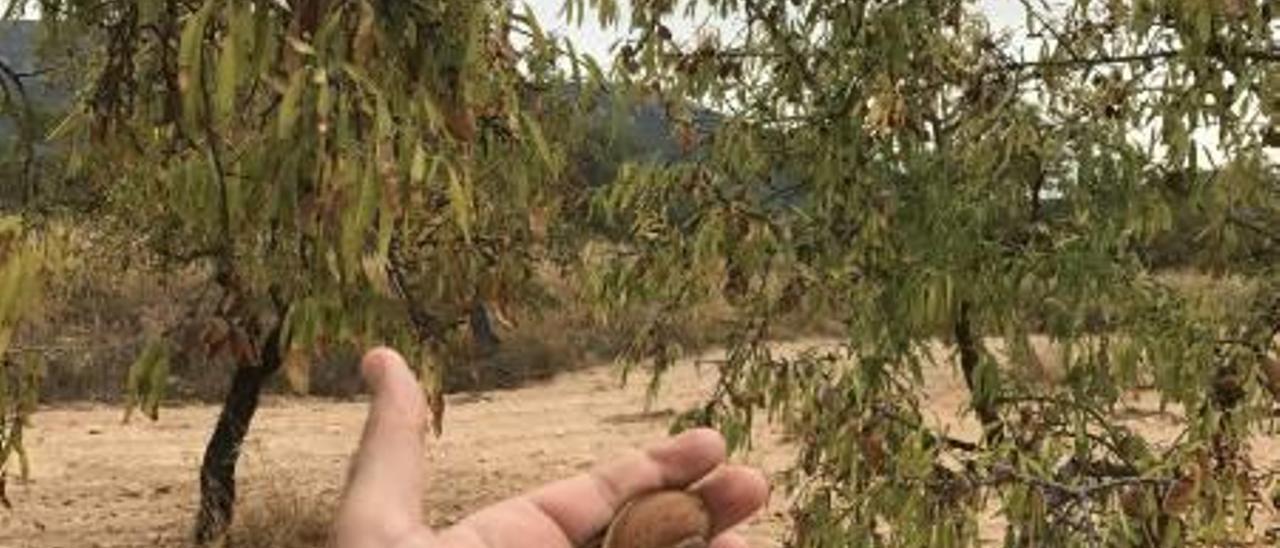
(300, 46)
(460, 201)
(539, 141)
(191, 64)
(146, 380)
(297, 369)
(229, 65)
(418, 169)
(290, 104)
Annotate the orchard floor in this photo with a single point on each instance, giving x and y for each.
(96, 482)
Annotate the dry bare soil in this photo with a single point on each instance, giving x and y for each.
(96, 482)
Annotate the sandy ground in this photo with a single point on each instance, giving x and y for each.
(96, 482)
(99, 483)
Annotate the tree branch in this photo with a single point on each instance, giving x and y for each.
(429, 327)
(25, 119)
(1269, 56)
(1254, 227)
(15, 77)
(797, 59)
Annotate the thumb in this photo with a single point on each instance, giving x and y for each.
(384, 489)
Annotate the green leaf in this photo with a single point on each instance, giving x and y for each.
(235, 201)
(265, 46)
(300, 46)
(147, 380)
(539, 141)
(157, 382)
(418, 169)
(324, 102)
(1203, 20)
(229, 62)
(73, 121)
(149, 11)
(530, 19)
(460, 201)
(191, 63)
(290, 105)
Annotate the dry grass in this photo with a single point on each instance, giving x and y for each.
(1215, 297)
(279, 515)
(280, 506)
(104, 302)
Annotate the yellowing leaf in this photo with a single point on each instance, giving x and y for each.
(229, 65)
(191, 64)
(365, 39)
(435, 118)
(431, 377)
(539, 141)
(300, 46)
(290, 104)
(70, 123)
(297, 370)
(418, 169)
(147, 380)
(460, 200)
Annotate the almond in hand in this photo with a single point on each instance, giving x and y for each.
(663, 519)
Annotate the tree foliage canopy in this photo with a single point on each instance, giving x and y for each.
(346, 172)
(348, 166)
(896, 166)
(20, 372)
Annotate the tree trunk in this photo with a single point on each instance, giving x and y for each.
(218, 470)
(967, 344)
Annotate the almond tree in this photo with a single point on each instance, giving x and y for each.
(902, 169)
(343, 172)
(20, 273)
(22, 267)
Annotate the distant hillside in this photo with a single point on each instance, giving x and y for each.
(17, 52)
(16, 41)
(644, 133)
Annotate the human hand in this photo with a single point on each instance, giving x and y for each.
(381, 505)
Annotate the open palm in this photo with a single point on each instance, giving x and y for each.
(381, 506)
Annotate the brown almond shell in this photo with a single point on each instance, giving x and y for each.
(663, 519)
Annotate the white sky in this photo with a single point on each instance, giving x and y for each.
(4, 6)
(1003, 15)
(594, 40)
(590, 38)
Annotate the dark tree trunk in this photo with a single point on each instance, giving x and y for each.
(967, 343)
(218, 470)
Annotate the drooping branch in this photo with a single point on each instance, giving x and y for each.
(25, 118)
(14, 79)
(214, 151)
(1268, 56)
(429, 327)
(967, 344)
(1254, 227)
(796, 58)
(933, 437)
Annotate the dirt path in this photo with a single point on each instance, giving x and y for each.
(99, 483)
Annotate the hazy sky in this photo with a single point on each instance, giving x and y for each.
(1004, 15)
(594, 40)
